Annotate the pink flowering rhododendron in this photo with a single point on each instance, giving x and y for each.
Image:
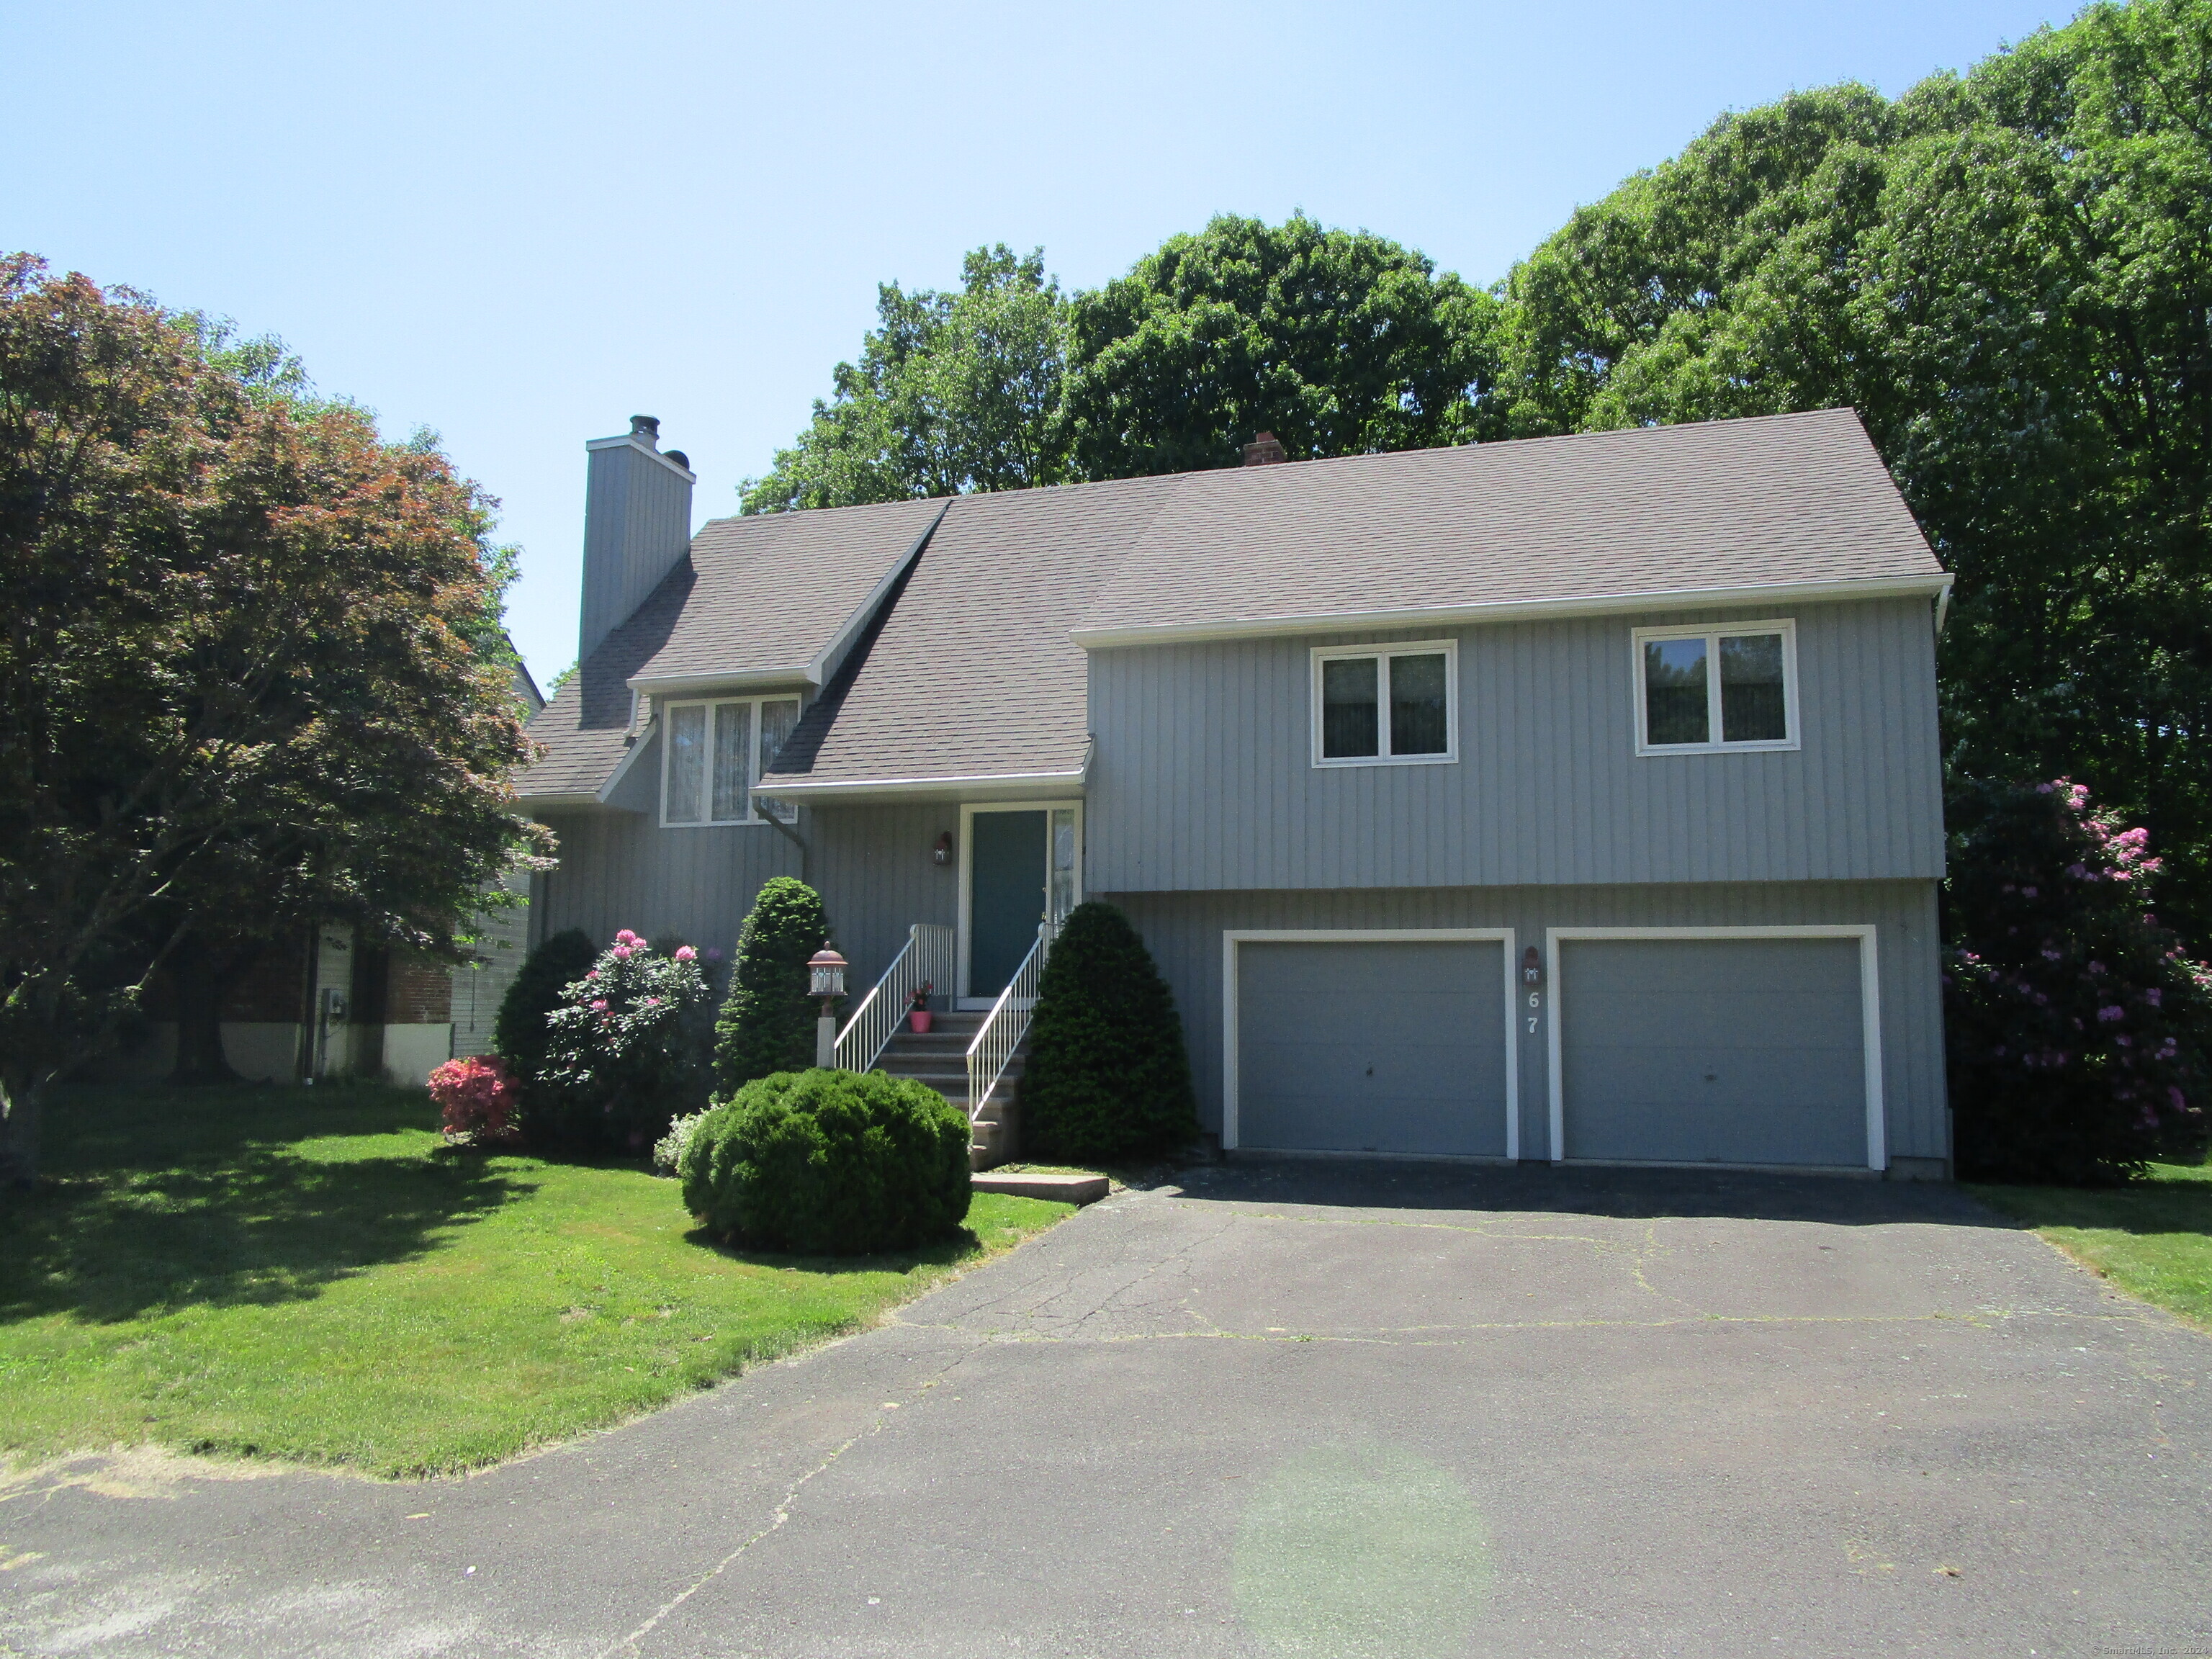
(475, 1100)
(2073, 1022)
(627, 1049)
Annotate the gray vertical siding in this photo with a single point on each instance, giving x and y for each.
(873, 867)
(1202, 775)
(1184, 930)
(637, 523)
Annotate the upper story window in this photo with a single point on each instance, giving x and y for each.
(1699, 690)
(1379, 705)
(715, 753)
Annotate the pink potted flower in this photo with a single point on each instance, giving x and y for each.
(918, 1015)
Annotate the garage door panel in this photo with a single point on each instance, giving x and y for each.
(1388, 1047)
(1739, 1051)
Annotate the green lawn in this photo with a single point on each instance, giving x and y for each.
(312, 1275)
(2152, 1239)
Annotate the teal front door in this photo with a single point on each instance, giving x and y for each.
(1005, 896)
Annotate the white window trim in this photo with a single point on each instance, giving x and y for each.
(1231, 938)
(1877, 1132)
(662, 710)
(962, 1002)
(1321, 653)
(1713, 634)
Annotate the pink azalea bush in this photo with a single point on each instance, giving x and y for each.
(477, 1101)
(627, 1051)
(2075, 1022)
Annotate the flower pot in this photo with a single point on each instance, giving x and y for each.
(920, 1018)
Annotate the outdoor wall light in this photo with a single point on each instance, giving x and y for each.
(943, 851)
(1532, 967)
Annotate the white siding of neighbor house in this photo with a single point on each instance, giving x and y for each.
(1183, 931)
(1202, 774)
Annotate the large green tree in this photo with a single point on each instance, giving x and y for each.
(1339, 342)
(244, 679)
(954, 392)
(2009, 274)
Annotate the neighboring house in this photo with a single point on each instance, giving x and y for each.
(1569, 798)
(314, 1005)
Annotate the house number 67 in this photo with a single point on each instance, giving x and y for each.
(1536, 1001)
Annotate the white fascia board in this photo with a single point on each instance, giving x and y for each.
(999, 786)
(1591, 604)
(631, 750)
(794, 675)
(631, 441)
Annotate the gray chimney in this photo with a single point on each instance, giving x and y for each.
(1265, 450)
(637, 522)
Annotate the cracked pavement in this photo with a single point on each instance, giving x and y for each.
(1298, 1408)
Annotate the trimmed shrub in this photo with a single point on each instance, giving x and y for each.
(475, 1100)
(519, 1035)
(2075, 1025)
(1108, 1077)
(822, 1163)
(768, 1024)
(626, 1051)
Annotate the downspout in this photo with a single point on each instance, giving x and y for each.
(794, 838)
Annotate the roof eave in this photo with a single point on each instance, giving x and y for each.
(678, 686)
(990, 786)
(1589, 605)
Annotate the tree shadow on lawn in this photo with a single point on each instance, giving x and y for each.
(2176, 1199)
(172, 1198)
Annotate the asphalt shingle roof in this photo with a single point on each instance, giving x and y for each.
(1722, 504)
(974, 674)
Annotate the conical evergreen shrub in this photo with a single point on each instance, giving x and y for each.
(1109, 1079)
(520, 1035)
(768, 1024)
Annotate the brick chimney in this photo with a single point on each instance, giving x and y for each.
(1266, 450)
(637, 523)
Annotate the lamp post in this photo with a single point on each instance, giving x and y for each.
(826, 980)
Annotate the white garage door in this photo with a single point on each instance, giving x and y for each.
(1713, 1051)
(1371, 1046)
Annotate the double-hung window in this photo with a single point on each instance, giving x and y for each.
(714, 754)
(1702, 690)
(1379, 705)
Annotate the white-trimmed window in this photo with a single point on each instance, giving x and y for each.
(1701, 690)
(1386, 705)
(713, 753)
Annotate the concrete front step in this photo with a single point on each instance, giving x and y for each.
(1064, 1189)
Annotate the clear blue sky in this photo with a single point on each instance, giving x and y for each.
(520, 224)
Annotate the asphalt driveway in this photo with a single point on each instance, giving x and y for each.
(1307, 1409)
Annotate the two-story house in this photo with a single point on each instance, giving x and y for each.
(1572, 798)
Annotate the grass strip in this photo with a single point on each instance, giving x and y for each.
(2152, 1238)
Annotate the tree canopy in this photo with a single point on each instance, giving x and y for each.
(245, 676)
(953, 392)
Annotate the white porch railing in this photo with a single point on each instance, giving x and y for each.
(1007, 1023)
(925, 959)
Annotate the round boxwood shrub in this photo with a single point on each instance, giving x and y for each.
(520, 1035)
(822, 1163)
(1108, 1077)
(768, 1024)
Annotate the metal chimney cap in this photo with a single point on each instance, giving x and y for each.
(647, 427)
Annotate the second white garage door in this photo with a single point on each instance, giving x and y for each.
(1715, 1050)
(1371, 1046)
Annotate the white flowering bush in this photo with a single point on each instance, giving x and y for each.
(627, 1051)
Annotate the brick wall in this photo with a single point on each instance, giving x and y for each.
(420, 991)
